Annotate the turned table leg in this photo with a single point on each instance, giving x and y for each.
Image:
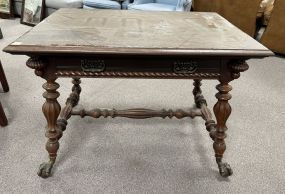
(51, 110)
(71, 102)
(5, 86)
(222, 110)
(3, 79)
(197, 92)
(201, 103)
(3, 118)
(1, 35)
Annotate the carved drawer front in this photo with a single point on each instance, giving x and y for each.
(137, 66)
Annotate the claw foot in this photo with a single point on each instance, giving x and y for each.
(45, 169)
(225, 170)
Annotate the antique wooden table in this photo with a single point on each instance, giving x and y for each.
(136, 44)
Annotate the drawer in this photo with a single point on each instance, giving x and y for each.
(138, 64)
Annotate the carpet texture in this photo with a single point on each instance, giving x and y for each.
(143, 156)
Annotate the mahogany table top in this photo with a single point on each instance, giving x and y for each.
(79, 31)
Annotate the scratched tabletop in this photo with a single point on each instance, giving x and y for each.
(135, 32)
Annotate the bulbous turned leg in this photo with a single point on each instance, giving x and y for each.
(197, 92)
(222, 110)
(51, 110)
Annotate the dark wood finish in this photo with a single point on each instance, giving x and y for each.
(138, 113)
(222, 110)
(5, 86)
(143, 75)
(3, 79)
(3, 118)
(1, 35)
(159, 45)
(197, 92)
(210, 123)
(51, 110)
(37, 64)
(137, 67)
(237, 66)
(71, 102)
(201, 103)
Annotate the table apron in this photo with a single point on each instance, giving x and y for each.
(137, 67)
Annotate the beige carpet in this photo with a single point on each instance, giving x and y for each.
(143, 156)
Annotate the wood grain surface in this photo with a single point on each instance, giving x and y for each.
(78, 31)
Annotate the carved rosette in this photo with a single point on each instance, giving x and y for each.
(37, 64)
(238, 66)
